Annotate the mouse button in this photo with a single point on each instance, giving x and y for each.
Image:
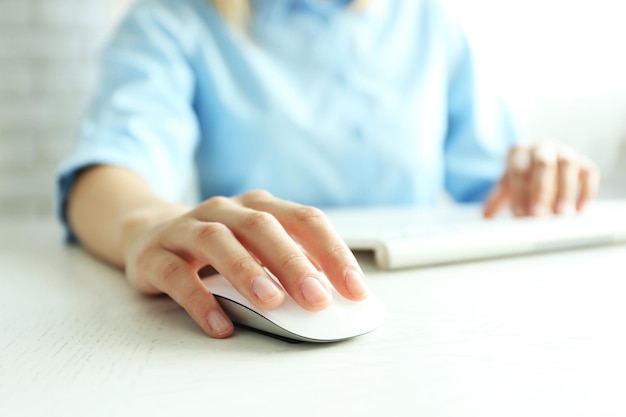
(341, 320)
(220, 286)
(366, 314)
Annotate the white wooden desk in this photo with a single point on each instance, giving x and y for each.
(529, 336)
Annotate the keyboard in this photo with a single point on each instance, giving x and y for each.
(404, 237)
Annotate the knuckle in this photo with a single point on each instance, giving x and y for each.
(542, 162)
(242, 266)
(515, 149)
(260, 194)
(309, 215)
(567, 163)
(543, 158)
(216, 202)
(545, 153)
(170, 271)
(591, 174)
(193, 298)
(291, 260)
(144, 258)
(143, 265)
(338, 252)
(256, 195)
(208, 231)
(258, 220)
(518, 160)
(567, 154)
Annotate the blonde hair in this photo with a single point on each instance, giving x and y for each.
(238, 12)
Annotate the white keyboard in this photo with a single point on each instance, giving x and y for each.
(410, 237)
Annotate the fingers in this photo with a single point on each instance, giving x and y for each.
(260, 233)
(568, 176)
(243, 238)
(312, 230)
(213, 243)
(544, 178)
(240, 237)
(519, 179)
(589, 178)
(543, 174)
(175, 277)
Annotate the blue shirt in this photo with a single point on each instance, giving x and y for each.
(318, 103)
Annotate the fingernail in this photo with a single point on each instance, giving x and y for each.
(566, 208)
(218, 323)
(265, 289)
(539, 209)
(560, 207)
(314, 292)
(355, 282)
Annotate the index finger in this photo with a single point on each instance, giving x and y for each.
(175, 277)
(311, 228)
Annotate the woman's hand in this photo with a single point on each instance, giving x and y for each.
(240, 237)
(544, 178)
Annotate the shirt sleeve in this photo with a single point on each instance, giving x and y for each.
(481, 129)
(142, 115)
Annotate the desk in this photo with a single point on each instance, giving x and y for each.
(529, 336)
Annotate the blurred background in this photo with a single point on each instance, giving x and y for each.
(561, 64)
(48, 55)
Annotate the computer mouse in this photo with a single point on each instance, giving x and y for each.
(342, 319)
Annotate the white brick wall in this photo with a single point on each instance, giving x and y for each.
(48, 51)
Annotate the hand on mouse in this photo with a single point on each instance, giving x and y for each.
(544, 178)
(239, 237)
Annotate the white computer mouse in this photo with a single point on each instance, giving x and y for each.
(342, 319)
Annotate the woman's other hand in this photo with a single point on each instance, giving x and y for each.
(544, 178)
